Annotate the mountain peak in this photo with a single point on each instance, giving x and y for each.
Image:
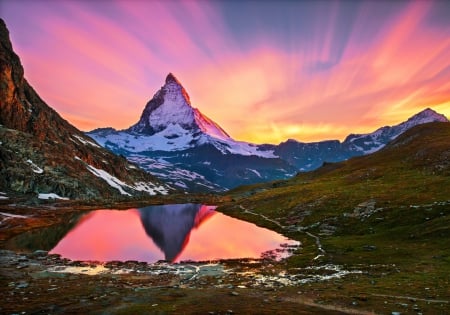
(170, 113)
(429, 115)
(172, 79)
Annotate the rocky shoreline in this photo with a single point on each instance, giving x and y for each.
(39, 282)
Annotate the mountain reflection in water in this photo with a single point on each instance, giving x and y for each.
(170, 226)
(170, 232)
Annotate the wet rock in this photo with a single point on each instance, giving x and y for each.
(22, 285)
(47, 274)
(39, 253)
(364, 210)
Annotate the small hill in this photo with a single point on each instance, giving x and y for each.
(390, 208)
(412, 168)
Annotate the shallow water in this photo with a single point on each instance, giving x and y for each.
(170, 232)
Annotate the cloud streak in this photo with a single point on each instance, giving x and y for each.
(265, 71)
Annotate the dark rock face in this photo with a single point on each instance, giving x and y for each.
(40, 152)
(143, 125)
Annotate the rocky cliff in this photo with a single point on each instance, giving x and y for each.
(44, 155)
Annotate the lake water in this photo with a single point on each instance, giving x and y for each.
(170, 232)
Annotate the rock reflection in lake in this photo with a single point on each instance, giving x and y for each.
(170, 232)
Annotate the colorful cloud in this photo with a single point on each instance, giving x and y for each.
(265, 71)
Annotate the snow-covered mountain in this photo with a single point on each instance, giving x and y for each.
(170, 123)
(176, 142)
(368, 143)
(309, 156)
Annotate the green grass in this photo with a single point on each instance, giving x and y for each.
(403, 247)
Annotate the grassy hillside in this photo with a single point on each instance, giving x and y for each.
(387, 214)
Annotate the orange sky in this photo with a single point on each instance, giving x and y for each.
(264, 71)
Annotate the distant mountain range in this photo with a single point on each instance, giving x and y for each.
(310, 156)
(177, 143)
(42, 155)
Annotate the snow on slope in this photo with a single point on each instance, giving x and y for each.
(51, 196)
(170, 123)
(175, 138)
(210, 127)
(116, 183)
(372, 142)
(172, 175)
(34, 167)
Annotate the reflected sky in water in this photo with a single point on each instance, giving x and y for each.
(169, 232)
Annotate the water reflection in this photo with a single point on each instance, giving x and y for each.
(170, 225)
(170, 232)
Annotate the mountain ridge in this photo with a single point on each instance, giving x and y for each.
(175, 141)
(171, 133)
(171, 104)
(42, 154)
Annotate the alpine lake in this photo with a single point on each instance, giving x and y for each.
(174, 259)
(162, 233)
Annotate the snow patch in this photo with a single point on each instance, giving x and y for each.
(111, 180)
(374, 149)
(255, 171)
(51, 196)
(181, 184)
(150, 188)
(35, 168)
(85, 141)
(10, 215)
(114, 182)
(240, 148)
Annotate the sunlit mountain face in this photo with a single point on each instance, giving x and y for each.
(264, 71)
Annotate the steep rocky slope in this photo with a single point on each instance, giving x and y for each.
(43, 154)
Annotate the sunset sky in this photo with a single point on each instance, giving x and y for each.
(265, 71)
